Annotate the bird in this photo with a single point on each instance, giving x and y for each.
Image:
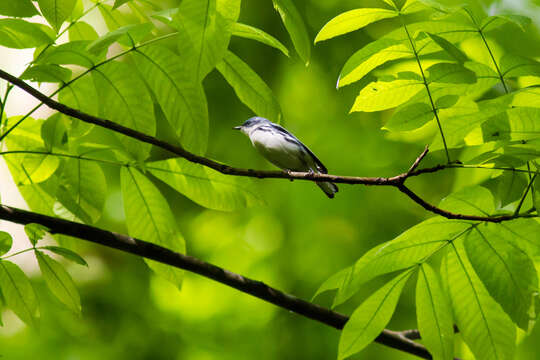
(284, 150)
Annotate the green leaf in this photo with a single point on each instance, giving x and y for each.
(33, 168)
(18, 8)
(71, 53)
(410, 117)
(47, 73)
(370, 318)
(82, 189)
(132, 33)
(118, 3)
(56, 11)
(125, 99)
(513, 66)
(506, 271)
(295, 27)
(450, 48)
(371, 56)
(450, 73)
(205, 186)
(413, 246)
(493, 22)
(59, 281)
(35, 232)
(54, 132)
(522, 232)
(82, 31)
(182, 101)
(485, 328)
(507, 187)
(333, 282)
(18, 292)
(66, 253)
(113, 17)
(81, 95)
(250, 32)
(352, 20)
(205, 28)
(472, 200)
(434, 315)
(20, 34)
(148, 217)
(249, 87)
(5, 242)
(382, 95)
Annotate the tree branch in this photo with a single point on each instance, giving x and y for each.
(393, 339)
(396, 181)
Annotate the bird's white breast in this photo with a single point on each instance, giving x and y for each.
(278, 151)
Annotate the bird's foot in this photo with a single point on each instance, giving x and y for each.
(289, 172)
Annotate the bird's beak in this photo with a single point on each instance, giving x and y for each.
(237, 128)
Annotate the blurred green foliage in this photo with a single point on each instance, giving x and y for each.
(294, 241)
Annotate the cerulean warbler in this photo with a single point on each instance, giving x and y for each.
(284, 150)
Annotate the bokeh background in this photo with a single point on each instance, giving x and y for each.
(294, 243)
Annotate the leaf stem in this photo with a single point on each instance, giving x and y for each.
(17, 253)
(434, 109)
(531, 181)
(78, 157)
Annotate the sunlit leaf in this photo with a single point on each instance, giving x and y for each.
(250, 32)
(82, 31)
(371, 56)
(56, 11)
(18, 8)
(18, 292)
(370, 318)
(59, 281)
(249, 87)
(450, 73)
(125, 99)
(35, 232)
(47, 73)
(205, 28)
(81, 95)
(5, 242)
(410, 117)
(450, 48)
(71, 53)
(54, 132)
(413, 246)
(66, 253)
(383, 95)
(132, 33)
(148, 217)
(295, 27)
(82, 189)
(472, 200)
(484, 326)
(434, 314)
(205, 186)
(352, 20)
(182, 101)
(492, 22)
(506, 271)
(20, 34)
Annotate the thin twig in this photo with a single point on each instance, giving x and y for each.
(396, 181)
(163, 255)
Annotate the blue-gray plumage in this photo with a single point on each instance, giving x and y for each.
(284, 150)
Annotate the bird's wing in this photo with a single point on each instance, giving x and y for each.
(290, 137)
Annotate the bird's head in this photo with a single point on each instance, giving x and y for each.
(251, 124)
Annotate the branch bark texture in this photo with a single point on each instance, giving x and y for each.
(395, 181)
(393, 339)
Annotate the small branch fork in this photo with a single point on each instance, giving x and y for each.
(393, 339)
(395, 181)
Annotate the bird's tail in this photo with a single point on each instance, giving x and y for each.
(329, 188)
